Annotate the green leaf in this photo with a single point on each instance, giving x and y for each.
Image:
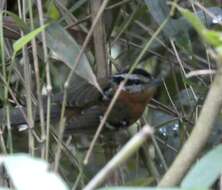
(205, 172)
(214, 38)
(193, 19)
(184, 42)
(66, 49)
(52, 10)
(21, 42)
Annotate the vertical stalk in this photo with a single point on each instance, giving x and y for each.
(27, 76)
(99, 37)
(48, 80)
(37, 78)
(2, 45)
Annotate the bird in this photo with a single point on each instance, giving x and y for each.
(86, 106)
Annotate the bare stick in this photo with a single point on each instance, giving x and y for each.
(99, 41)
(128, 150)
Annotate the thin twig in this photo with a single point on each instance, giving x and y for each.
(59, 146)
(200, 72)
(136, 62)
(127, 151)
(37, 78)
(27, 76)
(103, 122)
(45, 134)
(2, 45)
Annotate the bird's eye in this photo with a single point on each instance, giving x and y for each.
(117, 79)
(134, 82)
(137, 82)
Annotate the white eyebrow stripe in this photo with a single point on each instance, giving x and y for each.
(133, 77)
(133, 88)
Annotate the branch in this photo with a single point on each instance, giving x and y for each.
(199, 135)
(99, 41)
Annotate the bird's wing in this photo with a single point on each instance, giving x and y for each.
(86, 121)
(82, 94)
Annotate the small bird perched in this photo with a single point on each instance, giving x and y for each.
(86, 105)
